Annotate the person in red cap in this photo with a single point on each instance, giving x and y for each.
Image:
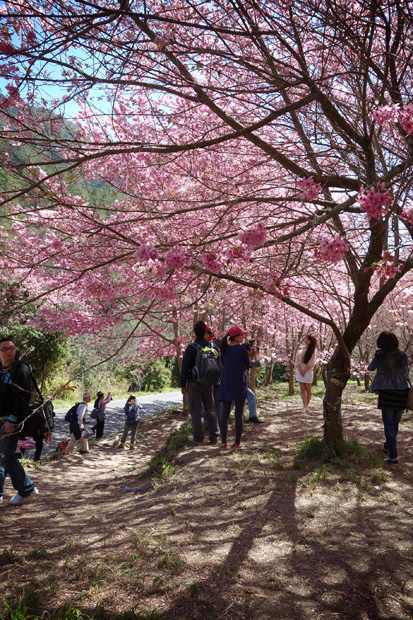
(233, 386)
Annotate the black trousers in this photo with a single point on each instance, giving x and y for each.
(99, 426)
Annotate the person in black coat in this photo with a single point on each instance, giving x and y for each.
(392, 385)
(198, 394)
(15, 392)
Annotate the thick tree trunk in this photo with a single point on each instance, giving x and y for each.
(291, 379)
(338, 373)
(251, 378)
(268, 373)
(367, 382)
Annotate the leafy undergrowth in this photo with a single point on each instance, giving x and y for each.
(282, 528)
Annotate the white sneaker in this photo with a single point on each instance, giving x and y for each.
(17, 500)
(303, 410)
(1, 499)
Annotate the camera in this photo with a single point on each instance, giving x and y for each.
(250, 346)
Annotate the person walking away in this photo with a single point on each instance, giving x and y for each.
(77, 426)
(132, 411)
(392, 385)
(235, 360)
(198, 393)
(14, 403)
(100, 405)
(304, 363)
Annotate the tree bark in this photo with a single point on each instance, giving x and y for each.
(291, 379)
(338, 373)
(268, 373)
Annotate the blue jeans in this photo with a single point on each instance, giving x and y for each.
(10, 464)
(391, 420)
(252, 404)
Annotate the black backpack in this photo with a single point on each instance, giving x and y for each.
(70, 416)
(207, 369)
(40, 415)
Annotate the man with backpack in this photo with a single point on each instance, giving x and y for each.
(15, 391)
(200, 372)
(76, 421)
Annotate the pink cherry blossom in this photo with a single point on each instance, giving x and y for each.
(308, 190)
(332, 250)
(211, 262)
(374, 201)
(176, 258)
(386, 114)
(239, 253)
(255, 236)
(277, 286)
(406, 118)
(6, 48)
(146, 252)
(408, 215)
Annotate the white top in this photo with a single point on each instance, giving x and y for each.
(81, 413)
(304, 372)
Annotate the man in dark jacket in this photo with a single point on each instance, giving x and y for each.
(198, 394)
(15, 390)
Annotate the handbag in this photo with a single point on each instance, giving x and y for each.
(409, 402)
(94, 413)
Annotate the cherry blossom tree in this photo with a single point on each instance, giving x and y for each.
(253, 148)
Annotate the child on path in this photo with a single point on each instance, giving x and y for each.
(132, 418)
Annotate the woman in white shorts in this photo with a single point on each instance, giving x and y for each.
(304, 363)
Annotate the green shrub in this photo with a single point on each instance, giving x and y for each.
(156, 376)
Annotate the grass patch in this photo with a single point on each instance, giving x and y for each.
(271, 454)
(8, 556)
(315, 449)
(350, 468)
(195, 588)
(39, 553)
(312, 449)
(171, 560)
(162, 464)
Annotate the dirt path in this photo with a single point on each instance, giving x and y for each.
(229, 535)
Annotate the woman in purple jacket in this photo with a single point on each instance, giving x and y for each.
(235, 360)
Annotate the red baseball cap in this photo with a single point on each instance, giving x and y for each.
(209, 332)
(236, 330)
